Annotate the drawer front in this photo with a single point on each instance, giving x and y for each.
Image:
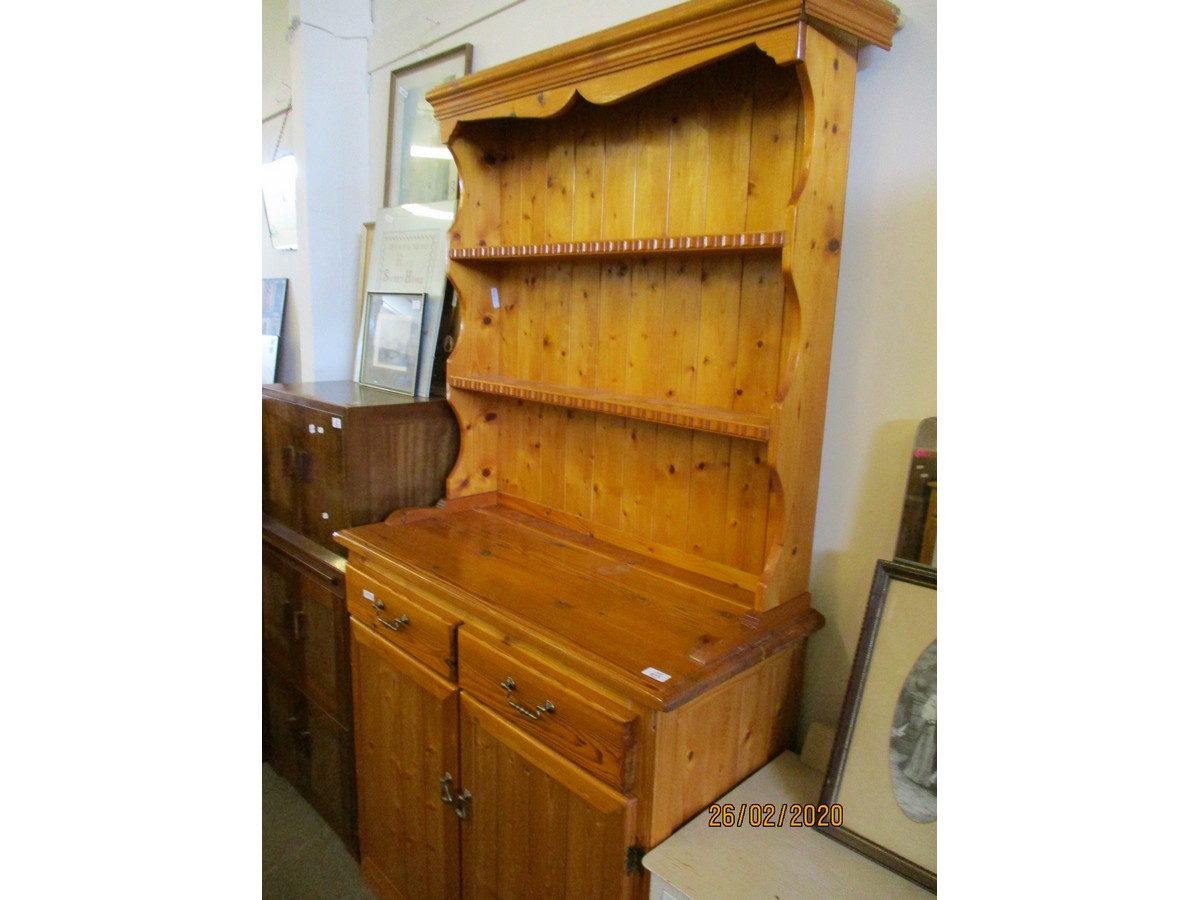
(412, 622)
(550, 703)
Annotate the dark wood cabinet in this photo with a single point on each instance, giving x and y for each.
(308, 731)
(335, 454)
(338, 454)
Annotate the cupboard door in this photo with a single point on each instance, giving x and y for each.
(328, 749)
(406, 741)
(312, 751)
(280, 585)
(283, 446)
(303, 459)
(318, 626)
(536, 825)
(320, 478)
(287, 717)
(304, 630)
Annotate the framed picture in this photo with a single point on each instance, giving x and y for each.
(274, 296)
(365, 243)
(419, 167)
(390, 341)
(883, 770)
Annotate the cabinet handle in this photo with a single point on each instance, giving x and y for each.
(461, 804)
(400, 622)
(463, 807)
(536, 713)
(297, 627)
(303, 467)
(288, 453)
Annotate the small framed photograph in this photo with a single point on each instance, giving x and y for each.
(883, 770)
(419, 167)
(390, 341)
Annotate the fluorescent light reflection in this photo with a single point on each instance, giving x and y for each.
(418, 209)
(429, 152)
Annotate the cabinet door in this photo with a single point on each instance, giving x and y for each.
(302, 470)
(312, 751)
(287, 715)
(282, 448)
(328, 749)
(280, 585)
(537, 825)
(406, 741)
(304, 631)
(320, 478)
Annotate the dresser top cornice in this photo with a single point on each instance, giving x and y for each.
(657, 46)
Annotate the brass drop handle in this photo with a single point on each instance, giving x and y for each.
(536, 713)
(400, 621)
(461, 804)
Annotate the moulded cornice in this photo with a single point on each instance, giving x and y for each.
(683, 33)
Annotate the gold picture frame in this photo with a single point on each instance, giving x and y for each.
(419, 168)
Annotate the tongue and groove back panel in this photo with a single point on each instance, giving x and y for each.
(644, 342)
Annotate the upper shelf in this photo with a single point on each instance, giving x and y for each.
(752, 426)
(699, 243)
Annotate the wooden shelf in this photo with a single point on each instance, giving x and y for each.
(751, 426)
(698, 243)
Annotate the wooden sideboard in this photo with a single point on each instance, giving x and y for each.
(601, 628)
(335, 454)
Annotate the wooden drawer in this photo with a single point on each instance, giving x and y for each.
(414, 623)
(550, 703)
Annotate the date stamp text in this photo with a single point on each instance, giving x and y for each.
(770, 815)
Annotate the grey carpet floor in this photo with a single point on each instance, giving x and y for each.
(301, 856)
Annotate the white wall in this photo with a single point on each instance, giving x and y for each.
(407, 31)
(883, 378)
(327, 130)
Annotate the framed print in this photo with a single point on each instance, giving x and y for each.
(274, 296)
(419, 167)
(390, 341)
(366, 241)
(883, 770)
(408, 255)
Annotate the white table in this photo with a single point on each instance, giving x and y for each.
(700, 862)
